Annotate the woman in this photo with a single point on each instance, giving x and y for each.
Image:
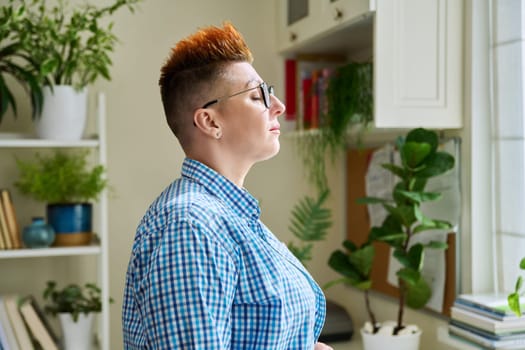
(204, 272)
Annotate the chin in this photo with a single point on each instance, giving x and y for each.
(271, 153)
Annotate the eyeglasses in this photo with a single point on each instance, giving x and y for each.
(266, 92)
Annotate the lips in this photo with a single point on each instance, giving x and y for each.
(275, 128)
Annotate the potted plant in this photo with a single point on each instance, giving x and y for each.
(17, 63)
(69, 47)
(64, 181)
(420, 160)
(75, 306)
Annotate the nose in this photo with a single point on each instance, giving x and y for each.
(277, 107)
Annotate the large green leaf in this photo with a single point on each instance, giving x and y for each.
(405, 214)
(371, 200)
(394, 169)
(339, 262)
(420, 197)
(409, 276)
(424, 136)
(514, 303)
(362, 259)
(411, 259)
(437, 164)
(414, 153)
(418, 294)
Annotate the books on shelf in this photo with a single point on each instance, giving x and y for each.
(20, 330)
(36, 326)
(503, 343)
(486, 320)
(9, 228)
(10, 341)
(306, 82)
(492, 305)
(11, 218)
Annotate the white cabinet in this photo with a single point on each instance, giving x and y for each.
(415, 45)
(418, 63)
(296, 22)
(303, 21)
(24, 271)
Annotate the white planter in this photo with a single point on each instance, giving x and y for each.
(390, 342)
(77, 335)
(63, 114)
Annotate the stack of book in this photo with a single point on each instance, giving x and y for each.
(485, 321)
(23, 325)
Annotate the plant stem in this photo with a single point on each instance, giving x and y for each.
(401, 308)
(369, 311)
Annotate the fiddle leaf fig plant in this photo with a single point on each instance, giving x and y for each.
(420, 160)
(519, 291)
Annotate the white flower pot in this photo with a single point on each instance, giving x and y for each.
(390, 342)
(77, 335)
(63, 114)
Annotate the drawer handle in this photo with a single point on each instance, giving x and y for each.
(293, 36)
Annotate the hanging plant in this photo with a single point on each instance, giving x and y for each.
(350, 103)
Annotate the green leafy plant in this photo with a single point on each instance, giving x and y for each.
(350, 103)
(61, 178)
(72, 299)
(309, 223)
(514, 297)
(16, 62)
(420, 160)
(70, 45)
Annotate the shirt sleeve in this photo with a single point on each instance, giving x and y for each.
(189, 290)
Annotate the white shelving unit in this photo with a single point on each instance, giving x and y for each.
(99, 250)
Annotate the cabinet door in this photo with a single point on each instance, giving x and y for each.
(418, 63)
(340, 13)
(298, 21)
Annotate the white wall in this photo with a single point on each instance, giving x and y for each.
(143, 156)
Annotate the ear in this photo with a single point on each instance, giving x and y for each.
(205, 120)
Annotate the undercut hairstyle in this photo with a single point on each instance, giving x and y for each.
(193, 67)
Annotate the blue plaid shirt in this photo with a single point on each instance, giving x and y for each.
(205, 273)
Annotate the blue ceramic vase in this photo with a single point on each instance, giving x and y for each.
(38, 234)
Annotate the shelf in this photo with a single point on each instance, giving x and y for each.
(11, 140)
(46, 252)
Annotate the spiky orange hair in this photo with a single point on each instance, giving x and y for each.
(207, 46)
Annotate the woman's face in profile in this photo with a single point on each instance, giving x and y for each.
(248, 127)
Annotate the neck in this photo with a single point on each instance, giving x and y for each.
(234, 170)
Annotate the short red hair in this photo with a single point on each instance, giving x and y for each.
(192, 67)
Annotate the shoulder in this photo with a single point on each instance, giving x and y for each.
(185, 208)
